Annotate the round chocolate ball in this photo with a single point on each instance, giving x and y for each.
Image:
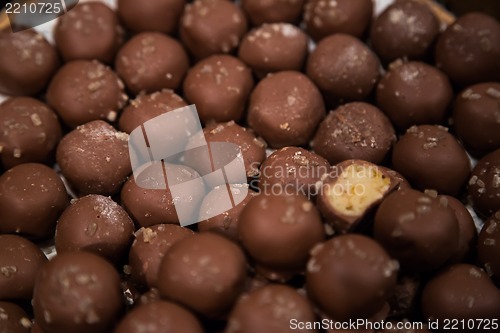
(151, 61)
(273, 48)
(476, 117)
(431, 158)
(77, 292)
(419, 230)
(27, 62)
(20, 260)
(401, 181)
(32, 196)
(94, 158)
(29, 132)
(211, 26)
(89, 31)
(488, 246)
(323, 18)
(405, 29)
(350, 277)
(343, 68)
(354, 131)
(414, 93)
(484, 184)
(469, 49)
(285, 109)
(219, 86)
(205, 272)
(272, 11)
(13, 319)
(84, 90)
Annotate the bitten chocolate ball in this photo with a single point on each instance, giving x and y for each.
(273, 48)
(83, 90)
(467, 235)
(419, 230)
(285, 109)
(89, 31)
(350, 277)
(32, 196)
(219, 86)
(405, 29)
(469, 49)
(476, 117)
(151, 61)
(13, 319)
(205, 272)
(29, 132)
(27, 62)
(94, 158)
(272, 11)
(354, 131)
(414, 93)
(211, 26)
(343, 68)
(484, 184)
(431, 158)
(323, 18)
(488, 246)
(20, 260)
(77, 292)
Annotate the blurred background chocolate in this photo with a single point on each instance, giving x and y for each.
(273, 11)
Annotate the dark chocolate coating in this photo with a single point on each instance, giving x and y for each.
(354, 131)
(469, 49)
(27, 62)
(272, 11)
(431, 158)
(350, 277)
(414, 93)
(32, 196)
(343, 68)
(20, 260)
(94, 158)
(77, 292)
(13, 319)
(285, 109)
(488, 246)
(29, 132)
(84, 90)
(467, 232)
(404, 300)
(421, 231)
(484, 184)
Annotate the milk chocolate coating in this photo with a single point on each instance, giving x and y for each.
(32, 196)
(401, 181)
(467, 235)
(29, 132)
(20, 260)
(94, 158)
(13, 319)
(484, 184)
(27, 62)
(285, 109)
(272, 11)
(77, 292)
(488, 246)
(84, 90)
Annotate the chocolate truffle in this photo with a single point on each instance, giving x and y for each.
(205, 272)
(20, 260)
(77, 292)
(323, 18)
(219, 86)
(83, 90)
(467, 232)
(431, 158)
(272, 11)
(29, 132)
(350, 277)
(157, 15)
(354, 131)
(159, 316)
(32, 196)
(13, 319)
(148, 249)
(278, 230)
(469, 49)
(405, 29)
(419, 230)
(94, 158)
(414, 93)
(285, 109)
(401, 181)
(27, 62)
(484, 184)
(343, 68)
(476, 117)
(273, 48)
(151, 61)
(488, 246)
(271, 308)
(89, 31)
(96, 224)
